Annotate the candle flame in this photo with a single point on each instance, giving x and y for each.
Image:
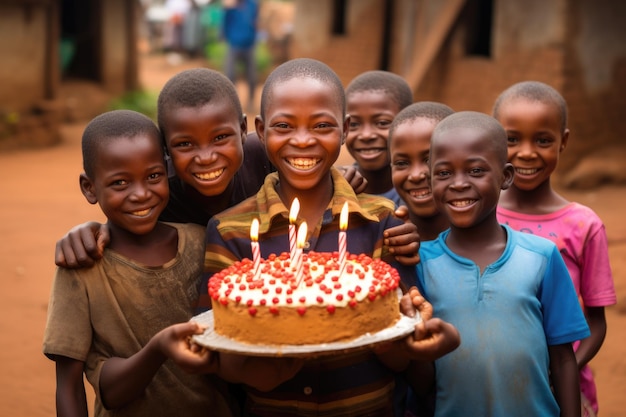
(254, 230)
(301, 239)
(293, 211)
(343, 217)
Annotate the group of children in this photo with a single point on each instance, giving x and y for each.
(509, 336)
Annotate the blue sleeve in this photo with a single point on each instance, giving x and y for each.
(563, 318)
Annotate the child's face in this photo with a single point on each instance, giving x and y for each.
(130, 183)
(409, 149)
(535, 140)
(206, 145)
(303, 130)
(467, 176)
(371, 114)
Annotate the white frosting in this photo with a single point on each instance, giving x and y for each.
(321, 284)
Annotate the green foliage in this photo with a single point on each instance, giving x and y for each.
(141, 101)
(216, 54)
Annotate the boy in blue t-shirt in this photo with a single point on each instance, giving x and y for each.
(508, 293)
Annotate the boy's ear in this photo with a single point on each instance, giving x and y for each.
(564, 139)
(509, 175)
(346, 128)
(259, 126)
(87, 188)
(244, 129)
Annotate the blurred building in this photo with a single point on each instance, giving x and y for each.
(465, 52)
(47, 46)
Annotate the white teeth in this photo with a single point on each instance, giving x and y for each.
(462, 203)
(526, 171)
(419, 193)
(210, 175)
(369, 151)
(141, 213)
(303, 163)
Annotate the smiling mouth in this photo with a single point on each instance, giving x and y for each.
(303, 163)
(462, 203)
(369, 151)
(419, 194)
(526, 171)
(207, 176)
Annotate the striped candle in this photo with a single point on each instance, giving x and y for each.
(293, 216)
(256, 249)
(343, 240)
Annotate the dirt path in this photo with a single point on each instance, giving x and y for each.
(40, 200)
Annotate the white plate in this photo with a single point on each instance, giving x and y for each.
(214, 341)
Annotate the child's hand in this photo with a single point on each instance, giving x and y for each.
(403, 240)
(354, 177)
(175, 343)
(413, 302)
(432, 337)
(82, 246)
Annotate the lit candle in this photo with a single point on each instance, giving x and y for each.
(293, 216)
(343, 241)
(299, 261)
(256, 249)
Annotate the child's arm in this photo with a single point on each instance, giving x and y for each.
(123, 379)
(82, 246)
(564, 376)
(590, 346)
(70, 393)
(403, 240)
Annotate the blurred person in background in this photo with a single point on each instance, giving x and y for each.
(239, 30)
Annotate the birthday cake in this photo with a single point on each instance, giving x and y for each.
(322, 302)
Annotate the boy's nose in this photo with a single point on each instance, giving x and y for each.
(140, 192)
(301, 138)
(206, 155)
(526, 150)
(367, 131)
(417, 172)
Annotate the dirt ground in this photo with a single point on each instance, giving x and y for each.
(40, 200)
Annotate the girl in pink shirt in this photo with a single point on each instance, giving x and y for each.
(535, 118)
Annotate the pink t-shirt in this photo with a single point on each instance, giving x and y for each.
(581, 238)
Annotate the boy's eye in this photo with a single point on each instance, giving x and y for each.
(323, 126)
(354, 125)
(476, 171)
(119, 183)
(181, 144)
(281, 126)
(383, 124)
(220, 138)
(511, 140)
(155, 176)
(441, 174)
(400, 164)
(544, 141)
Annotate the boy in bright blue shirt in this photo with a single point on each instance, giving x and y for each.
(508, 293)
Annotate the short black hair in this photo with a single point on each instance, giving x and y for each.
(533, 91)
(195, 88)
(431, 110)
(113, 125)
(476, 121)
(391, 84)
(302, 67)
